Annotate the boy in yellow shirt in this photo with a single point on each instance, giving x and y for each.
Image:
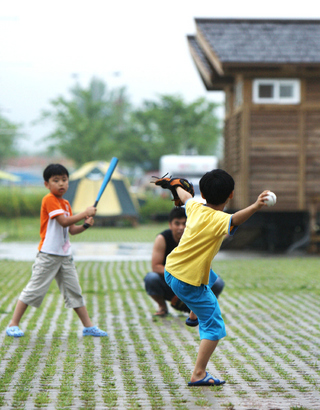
(188, 265)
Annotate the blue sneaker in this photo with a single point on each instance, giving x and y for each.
(14, 331)
(94, 331)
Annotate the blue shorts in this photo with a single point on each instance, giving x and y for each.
(212, 278)
(202, 301)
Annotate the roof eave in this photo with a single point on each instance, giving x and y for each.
(209, 53)
(212, 81)
(280, 68)
(256, 20)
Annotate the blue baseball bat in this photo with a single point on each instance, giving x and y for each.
(113, 163)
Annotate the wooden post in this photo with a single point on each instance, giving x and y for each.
(314, 229)
(302, 150)
(245, 145)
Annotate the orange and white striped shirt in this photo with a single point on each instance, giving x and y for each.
(54, 237)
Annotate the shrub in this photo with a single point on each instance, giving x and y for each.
(155, 208)
(20, 201)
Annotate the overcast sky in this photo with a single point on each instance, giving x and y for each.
(43, 46)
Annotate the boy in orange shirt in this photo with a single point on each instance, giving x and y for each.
(54, 260)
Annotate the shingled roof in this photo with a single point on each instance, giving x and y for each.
(223, 43)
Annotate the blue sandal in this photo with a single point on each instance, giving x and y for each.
(14, 331)
(192, 323)
(94, 331)
(205, 381)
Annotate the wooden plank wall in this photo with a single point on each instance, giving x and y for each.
(273, 155)
(312, 137)
(283, 150)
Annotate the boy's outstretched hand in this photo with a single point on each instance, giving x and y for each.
(241, 216)
(261, 198)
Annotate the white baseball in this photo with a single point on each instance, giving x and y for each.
(270, 199)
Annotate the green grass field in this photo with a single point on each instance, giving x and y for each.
(27, 230)
(270, 357)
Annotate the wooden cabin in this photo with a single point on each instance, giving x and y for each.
(269, 70)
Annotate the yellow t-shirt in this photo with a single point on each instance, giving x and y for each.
(205, 230)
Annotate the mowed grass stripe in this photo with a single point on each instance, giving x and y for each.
(183, 344)
(85, 364)
(111, 362)
(140, 364)
(19, 359)
(172, 365)
(14, 276)
(262, 358)
(310, 302)
(284, 337)
(45, 340)
(43, 388)
(91, 379)
(107, 352)
(143, 364)
(98, 379)
(7, 343)
(68, 389)
(11, 284)
(57, 360)
(16, 356)
(270, 275)
(286, 379)
(128, 380)
(283, 309)
(289, 328)
(299, 330)
(31, 366)
(150, 340)
(247, 378)
(304, 314)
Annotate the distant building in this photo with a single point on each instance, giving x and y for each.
(270, 73)
(30, 168)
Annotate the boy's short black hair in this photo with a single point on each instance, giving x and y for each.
(54, 169)
(216, 186)
(177, 213)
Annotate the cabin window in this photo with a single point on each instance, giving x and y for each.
(276, 91)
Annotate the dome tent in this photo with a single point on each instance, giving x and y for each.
(116, 202)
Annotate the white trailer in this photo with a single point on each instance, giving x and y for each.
(191, 167)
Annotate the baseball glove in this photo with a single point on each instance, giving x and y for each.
(172, 184)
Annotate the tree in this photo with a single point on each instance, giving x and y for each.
(91, 125)
(96, 124)
(171, 126)
(8, 139)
